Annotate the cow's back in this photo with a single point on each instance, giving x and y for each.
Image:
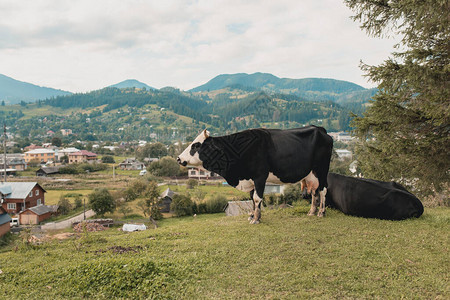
(295, 152)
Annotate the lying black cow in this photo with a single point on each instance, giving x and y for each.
(371, 198)
(249, 159)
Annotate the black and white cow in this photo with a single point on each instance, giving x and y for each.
(249, 159)
(371, 198)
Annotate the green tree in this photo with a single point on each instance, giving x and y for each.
(405, 134)
(142, 205)
(153, 201)
(101, 201)
(64, 205)
(154, 150)
(56, 141)
(124, 209)
(166, 166)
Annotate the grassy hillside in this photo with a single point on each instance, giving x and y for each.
(288, 255)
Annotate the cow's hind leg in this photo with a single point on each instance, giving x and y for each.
(322, 195)
(314, 203)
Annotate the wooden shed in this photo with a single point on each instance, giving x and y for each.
(45, 171)
(35, 215)
(236, 208)
(166, 200)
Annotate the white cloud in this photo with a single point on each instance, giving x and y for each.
(85, 45)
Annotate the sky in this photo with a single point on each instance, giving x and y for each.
(85, 45)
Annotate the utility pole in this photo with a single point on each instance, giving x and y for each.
(4, 149)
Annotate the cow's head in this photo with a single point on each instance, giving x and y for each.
(190, 155)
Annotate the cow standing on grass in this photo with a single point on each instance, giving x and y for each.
(249, 159)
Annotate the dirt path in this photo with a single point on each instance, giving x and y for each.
(67, 223)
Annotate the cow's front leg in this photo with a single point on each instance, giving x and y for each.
(257, 211)
(314, 202)
(257, 201)
(322, 195)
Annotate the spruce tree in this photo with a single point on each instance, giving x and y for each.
(404, 134)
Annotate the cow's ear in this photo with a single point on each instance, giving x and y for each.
(206, 133)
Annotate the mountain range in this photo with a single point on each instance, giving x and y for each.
(132, 83)
(14, 91)
(314, 89)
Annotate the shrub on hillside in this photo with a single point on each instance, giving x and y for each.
(108, 159)
(292, 193)
(216, 204)
(70, 169)
(64, 205)
(181, 205)
(82, 168)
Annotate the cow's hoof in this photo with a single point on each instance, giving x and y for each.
(254, 222)
(321, 214)
(311, 213)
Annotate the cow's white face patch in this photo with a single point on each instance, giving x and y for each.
(190, 155)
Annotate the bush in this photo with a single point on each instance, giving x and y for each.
(70, 169)
(82, 168)
(216, 204)
(108, 159)
(64, 205)
(181, 205)
(78, 201)
(201, 208)
(292, 193)
(191, 183)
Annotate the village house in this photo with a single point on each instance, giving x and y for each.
(131, 164)
(5, 222)
(65, 152)
(39, 155)
(18, 196)
(14, 161)
(82, 156)
(201, 173)
(32, 147)
(344, 154)
(341, 136)
(66, 132)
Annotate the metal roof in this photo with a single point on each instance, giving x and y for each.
(39, 151)
(40, 209)
(4, 218)
(50, 170)
(19, 190)
(168, 193)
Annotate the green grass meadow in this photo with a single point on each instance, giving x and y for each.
(288, 256)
